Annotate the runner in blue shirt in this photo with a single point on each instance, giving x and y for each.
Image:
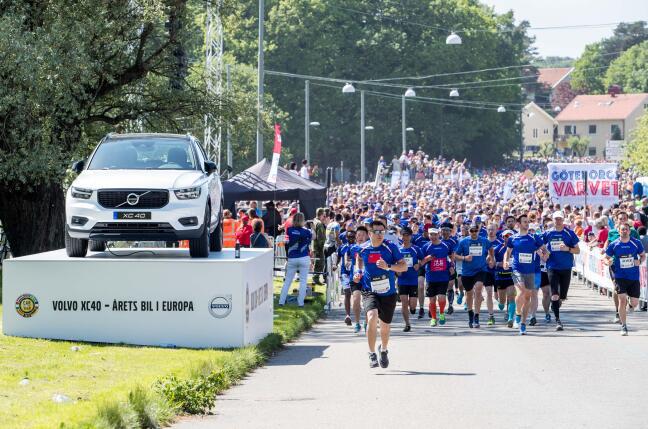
(344, 266)
(538, 265)
(523, 248)
(450, 241)
(489, 281)
(376, 263)
(626, 254)
(476, 254)
(562, 244)
(362, 235)
(504, 279)
(419, 239)
(408, 280)
(438, 267)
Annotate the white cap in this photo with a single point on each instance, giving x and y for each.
(433, 230)
(558, 214)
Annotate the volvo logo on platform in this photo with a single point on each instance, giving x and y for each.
(221, 306)
(132, 199)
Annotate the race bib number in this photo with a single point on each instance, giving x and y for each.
(555, 245)
(525, 258)
(626, 262)
(380, 284)
(409, 260)
(438, 264)
(475, 250)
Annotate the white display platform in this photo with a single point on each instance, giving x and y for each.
(158, 297)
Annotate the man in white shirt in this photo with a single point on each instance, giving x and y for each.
(304, 170)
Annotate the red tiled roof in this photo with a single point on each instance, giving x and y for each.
(602, 107)
(551, 76)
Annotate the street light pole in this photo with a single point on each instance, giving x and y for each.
(403, 125)
(260, 70)
(362, 136)
(307, 122)
(229, 128)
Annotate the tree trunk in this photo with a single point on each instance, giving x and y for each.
(34, 221)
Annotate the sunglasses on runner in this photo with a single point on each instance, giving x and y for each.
(378, 231)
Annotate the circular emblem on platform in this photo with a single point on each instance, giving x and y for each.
(220, 307)
(132, 199)
(26, 305)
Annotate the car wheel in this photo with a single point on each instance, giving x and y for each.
(199, 247)
(75, 247)
(97, 245)
(216, 237)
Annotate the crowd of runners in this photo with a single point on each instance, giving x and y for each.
(460, 236)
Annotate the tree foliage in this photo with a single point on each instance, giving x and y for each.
(578, 145)
(590, 68)
(366, 39)
(630, 70)
(637, 148)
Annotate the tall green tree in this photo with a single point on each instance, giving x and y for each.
(590, 68)
(70, 71)
(630, 70)
(637, 149)
(369, 39)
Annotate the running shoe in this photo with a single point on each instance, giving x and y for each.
(442, 319)
(476, 324)
(413, 310)
(509, 323)
(373, 360)
(460, 298)
(470, 325)
(522, 329)
(433, 322)
(617, 319)
(559, 325)
(624, 330)
(450, 310)
(407, 328)
(500, 306)
(347, 320)
(384, 360)
(491, 320)
(547, 318)
(421, 313)
(356, 329)
(533, 321)
(516, 324)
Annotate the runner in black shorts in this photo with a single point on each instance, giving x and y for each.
(408, 280)
(437, 260)
(504, 280)
(356, 286)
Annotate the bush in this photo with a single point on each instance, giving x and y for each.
(194, 395)
(152, 411)
(115, 416)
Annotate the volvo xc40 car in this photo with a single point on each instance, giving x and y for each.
(145, 187)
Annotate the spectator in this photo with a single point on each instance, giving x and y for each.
(299, 240)
(643, 237)
(252, 214)
(318, 243)
(293, 168)
(603, 231)
(244, 232)
(229, 229)
(258, 240)
(271, 219)
(253, 205)
(304, 171)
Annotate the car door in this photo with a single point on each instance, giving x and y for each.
(214, 186)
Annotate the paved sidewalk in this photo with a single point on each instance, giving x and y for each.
(447, 377)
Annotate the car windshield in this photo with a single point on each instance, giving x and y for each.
(144, 154)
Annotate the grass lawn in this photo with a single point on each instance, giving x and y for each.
(97, 374)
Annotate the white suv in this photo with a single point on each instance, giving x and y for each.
(145, 187)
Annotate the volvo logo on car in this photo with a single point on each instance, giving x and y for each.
(221, 306)
(132, 199)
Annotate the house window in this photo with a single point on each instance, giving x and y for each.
(592, 151)
(615, 130)
(546, 131)
(592, 129)
(535, 133)
(570, 129)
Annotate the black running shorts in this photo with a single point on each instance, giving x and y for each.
(410, 290)
(469, 281)
(385, 304)
(629, 287)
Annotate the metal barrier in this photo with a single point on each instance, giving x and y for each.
(589, 266)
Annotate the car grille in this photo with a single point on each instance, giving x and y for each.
(152, 199)
(126, 227)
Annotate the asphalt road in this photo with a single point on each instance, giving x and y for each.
(587, 376)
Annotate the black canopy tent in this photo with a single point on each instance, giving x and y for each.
(252, 184)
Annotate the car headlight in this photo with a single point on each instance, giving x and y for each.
(188, 193)
(81, 193)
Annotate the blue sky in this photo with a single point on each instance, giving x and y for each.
(570, 42)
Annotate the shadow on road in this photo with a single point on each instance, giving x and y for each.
(401, 372)
(298, 354)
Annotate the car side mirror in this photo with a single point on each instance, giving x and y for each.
(226, 172)
(210, 167)
(78, 166)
